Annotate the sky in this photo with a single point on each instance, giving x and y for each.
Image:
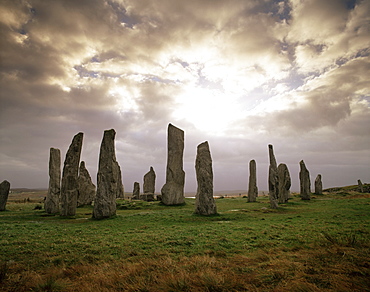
(238, 74)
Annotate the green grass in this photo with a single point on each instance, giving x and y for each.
(293, 246)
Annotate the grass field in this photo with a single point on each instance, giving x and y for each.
(317, 245)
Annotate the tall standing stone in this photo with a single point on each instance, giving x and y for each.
(284, 183)
(149, 182)
(318, 185)
(120, 187)
(173, 190)
(273, 180)
(86, 188)
(252, 186)
(4, 193)
(53, 196)
(69, 188)
(136, 191)
(204, 201)
(109, 180)
(305, 182)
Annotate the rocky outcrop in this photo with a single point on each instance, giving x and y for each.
(204, 201)
(305, 182)
(69, 187)
(273, 179)
(318, 185)
(284, 183)
(53, 196)
(252, 186)
(86, 188)
(149, 182)
(109, 182)
(173, 190)
(4, 193)
(136, 191)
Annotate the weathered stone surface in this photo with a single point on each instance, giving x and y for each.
(120, 187)
(86, 188)
(318, 185)
(284, 183)
(149, 197)
(173, 190)
(204, 201)
(69, 187)
(109, 181)
(360, 187)
(252, 186)
(273, 180)
(52, 199)
(4, 193)
(305, 182)
(136, 191)
(149, 182)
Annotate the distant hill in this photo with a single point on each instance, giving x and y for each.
(26, 190)
(365, 186)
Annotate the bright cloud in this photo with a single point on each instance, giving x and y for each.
(240, 74)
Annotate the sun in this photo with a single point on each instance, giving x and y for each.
(209, 110)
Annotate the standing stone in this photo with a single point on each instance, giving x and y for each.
(136, 191)
(69, 188)
(120, 187)
(204, 201)
(273, 180)
(173, 190)
(284, 183)
(109, 178)
(252, 187)
(4, 193)
(305, 183)
(149, 182)
(318, 185)
(86, 188)
(52, 198)
(149, 186)
(360, 186)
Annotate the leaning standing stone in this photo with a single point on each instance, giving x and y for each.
(173, 190)
(318, 185)
(52, 198)
(284, 183)
(4, 193)
(108, 178)
(252, 187)
(86, 188)
(136, 191)
(204, 201)
(69, 188)
(273, 180)
(305, 183)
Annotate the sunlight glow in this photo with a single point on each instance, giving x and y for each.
(208, 110)
(125, 99)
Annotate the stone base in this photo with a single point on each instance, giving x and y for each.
(149, 197)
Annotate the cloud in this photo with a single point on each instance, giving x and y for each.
(241, 74)
(326, 32)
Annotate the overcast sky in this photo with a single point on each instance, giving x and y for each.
(239, 74)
